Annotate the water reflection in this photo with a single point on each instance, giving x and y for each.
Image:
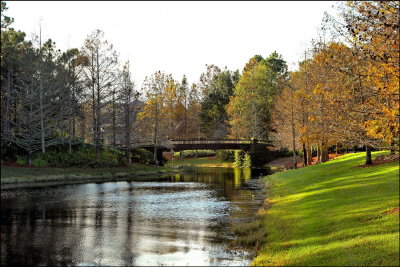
(180, 220)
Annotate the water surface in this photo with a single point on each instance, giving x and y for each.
(184, 219)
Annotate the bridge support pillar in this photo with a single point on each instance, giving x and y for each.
(181, 155)
(253, 146)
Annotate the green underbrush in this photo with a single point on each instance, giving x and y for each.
(200, 162)
(24, 175)
(195, 153)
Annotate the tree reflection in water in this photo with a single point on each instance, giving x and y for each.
(182, 220)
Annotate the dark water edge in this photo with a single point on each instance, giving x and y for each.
(181, 219)
(49, 181)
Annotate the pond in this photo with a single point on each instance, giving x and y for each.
(184, 219)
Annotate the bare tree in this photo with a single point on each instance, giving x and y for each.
(39, 85)
(73, 62)
(100, 74)
(128, 98)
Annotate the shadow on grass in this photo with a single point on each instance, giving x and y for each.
(333, 214)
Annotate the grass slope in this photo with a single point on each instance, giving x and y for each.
(333, 214)
(200, 162)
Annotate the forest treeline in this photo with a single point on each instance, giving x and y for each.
(345, 92)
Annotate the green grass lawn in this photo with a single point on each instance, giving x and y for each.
(14, 174)
(333, 214)
(201, 162)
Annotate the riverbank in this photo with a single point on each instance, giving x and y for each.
(199, 162)
(338, 213)
(164, 216)
(287, 162)
(22, 176)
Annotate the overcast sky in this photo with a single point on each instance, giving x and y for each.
(179, 37)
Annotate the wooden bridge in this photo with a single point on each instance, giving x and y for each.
(205, 144)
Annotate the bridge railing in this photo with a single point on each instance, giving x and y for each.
(208, 141)
(172, 142)
(217, 141)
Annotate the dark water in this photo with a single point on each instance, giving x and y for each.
(178, 220)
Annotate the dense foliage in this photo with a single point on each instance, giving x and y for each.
(345, 93)
(225, 155)
(346, 90)
(195, 153)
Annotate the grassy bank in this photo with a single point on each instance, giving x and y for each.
(200, 162)
(11, 175)
(333, 214)
(15, 176)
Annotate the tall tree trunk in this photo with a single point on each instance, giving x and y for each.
(73, 103)
(7, 127)
(128, 156)
(98, 106)
(155, 135)
(128, 130)
(254, 120)
(29, 148)
(41, 94)
(70, 140)
(41, 115)
(98, 127)
(94, 105)
(69, 135)
(30, 157)
(94, 117)
(155, 150)
(368, 156)
(70, 112)
(304, 155)
(114, 137)
(324, 152)
(185, 118)
(392, 148)
(293, 135)
(15, 105)
(309, 154)
(128, 120)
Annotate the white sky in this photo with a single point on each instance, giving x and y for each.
(178, 37)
